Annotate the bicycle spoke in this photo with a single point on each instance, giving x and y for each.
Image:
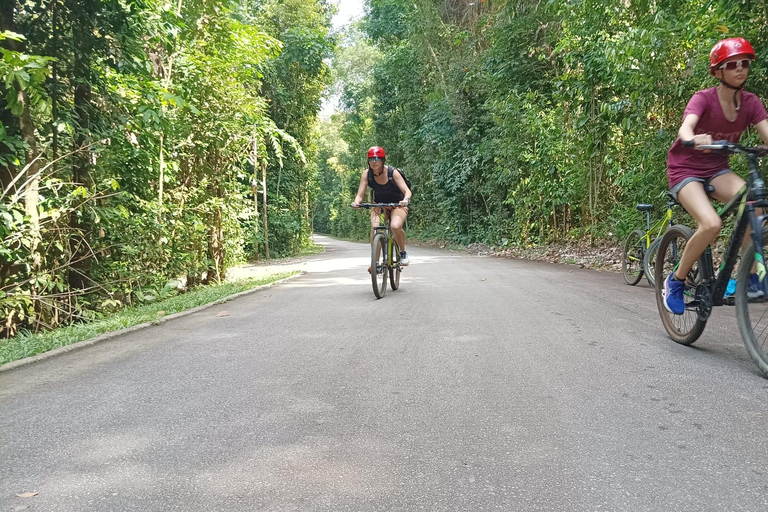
(686, 328)
(752, 314)
(379, 269)
(634, 250)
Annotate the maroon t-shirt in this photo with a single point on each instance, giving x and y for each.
(685, 162)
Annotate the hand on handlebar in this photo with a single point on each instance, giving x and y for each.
(702, 139)
(405, 202)
(355, 204)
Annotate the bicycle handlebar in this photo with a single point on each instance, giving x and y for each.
(377, 205)
(728, 147)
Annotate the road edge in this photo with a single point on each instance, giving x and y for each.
(114, 334)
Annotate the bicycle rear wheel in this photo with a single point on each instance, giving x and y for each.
(685, 328)
(632, 259)
(379, 265)
(752, 314)
(649, 262)
(395, 268)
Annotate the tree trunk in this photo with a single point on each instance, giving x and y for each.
(10, 122)
(217, 241)
(264, 206)
(82, 29)
(161, 165)
(54, 52)
(32, 181)
(161, 179)
(254, 159)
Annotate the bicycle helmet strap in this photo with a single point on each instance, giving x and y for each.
(736, 90)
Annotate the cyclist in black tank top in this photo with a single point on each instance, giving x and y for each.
(389, 192)
(388, 186)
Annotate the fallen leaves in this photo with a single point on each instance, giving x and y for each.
(27, 495)
(598, 255)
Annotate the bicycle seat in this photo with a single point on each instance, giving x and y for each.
(645, 207)
(709, 189)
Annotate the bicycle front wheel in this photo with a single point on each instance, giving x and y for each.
(379, 265)
(685, 328)
(649, 262)
(395, 268)
(632, 259)
(752, 310)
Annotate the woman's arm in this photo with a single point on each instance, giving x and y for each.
(361, 189)
(686, 131)
(762, 129)
(400, 182)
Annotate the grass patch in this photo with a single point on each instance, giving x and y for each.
(27, 344)
(311, 249)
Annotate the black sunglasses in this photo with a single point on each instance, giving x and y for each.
(736, 63)
(375, 159)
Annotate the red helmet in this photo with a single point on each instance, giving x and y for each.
(728, 48)
(378, 152)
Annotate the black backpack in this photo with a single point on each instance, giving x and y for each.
(391, 169)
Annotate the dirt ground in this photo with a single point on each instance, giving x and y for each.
(595, 255)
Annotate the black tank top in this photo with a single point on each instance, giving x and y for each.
(387, 193)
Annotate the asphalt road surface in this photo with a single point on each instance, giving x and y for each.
(482, 384)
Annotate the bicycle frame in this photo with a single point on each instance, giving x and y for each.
(713, 285)
(658, 227)
(385, 229)
(387, 232)
(639, 246)
(385, 261)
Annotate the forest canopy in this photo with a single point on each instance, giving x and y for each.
(523, 123)
(149, 142)
(152, 142)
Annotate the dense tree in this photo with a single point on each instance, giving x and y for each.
(524, 122)
(143, 123)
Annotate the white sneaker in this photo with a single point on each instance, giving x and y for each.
(404, 261)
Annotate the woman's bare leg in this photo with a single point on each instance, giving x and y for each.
(396, 222)
(695, 201)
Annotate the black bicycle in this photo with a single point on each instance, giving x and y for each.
(705, 287)
(385, 253)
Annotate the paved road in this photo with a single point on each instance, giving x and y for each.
(482, 384)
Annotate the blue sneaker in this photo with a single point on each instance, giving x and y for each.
(755, 290)
(673, 295)
(730, 290)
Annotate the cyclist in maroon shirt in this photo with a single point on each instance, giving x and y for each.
(717, 113)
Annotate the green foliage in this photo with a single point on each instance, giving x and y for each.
(526, 122)
(147, 119)
(28, 344)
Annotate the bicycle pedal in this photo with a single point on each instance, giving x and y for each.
(729, 301)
